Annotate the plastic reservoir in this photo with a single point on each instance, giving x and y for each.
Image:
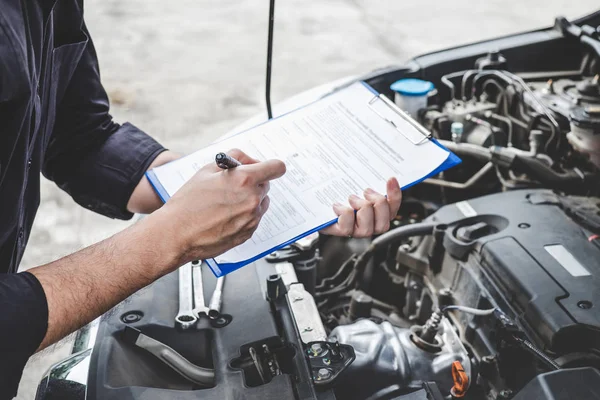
(411, 95)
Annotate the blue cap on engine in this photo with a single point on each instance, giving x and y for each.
(412, 87)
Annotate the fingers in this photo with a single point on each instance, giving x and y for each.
(365, 217)
(394, 196)
(263, 190)
(254, 171)
(252, 224)
(368, 216)
(264, 206)
(249, 224)
(264, 171)
(241, 156)
(235, 153)
(345, 223)
(381, 210)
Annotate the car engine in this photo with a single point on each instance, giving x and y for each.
(485, 287)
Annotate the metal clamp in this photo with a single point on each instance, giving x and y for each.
(426, 134)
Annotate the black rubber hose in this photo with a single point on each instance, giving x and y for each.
(403, 232)
(546, 175)
(393, 236)
(534, 167)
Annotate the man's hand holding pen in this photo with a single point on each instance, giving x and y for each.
(215, 211)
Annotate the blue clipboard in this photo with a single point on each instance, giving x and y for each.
(225, 268)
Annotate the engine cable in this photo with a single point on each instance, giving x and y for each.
(446, 81)
(469, 310)
(523, 343)
(395, 235)
(530, 347)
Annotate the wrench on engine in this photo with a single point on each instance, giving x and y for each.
(213, 311)
(214, 307)
(199, 305)
(185, 318)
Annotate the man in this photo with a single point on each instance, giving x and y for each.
(54, 119)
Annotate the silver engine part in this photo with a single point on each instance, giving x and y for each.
(585, 132)
(580, 103)
(387, 355)
(458, 110)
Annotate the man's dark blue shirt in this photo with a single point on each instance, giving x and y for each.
(54, 119)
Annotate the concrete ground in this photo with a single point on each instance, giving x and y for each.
(188, 71)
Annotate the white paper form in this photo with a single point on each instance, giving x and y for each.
(332, 148)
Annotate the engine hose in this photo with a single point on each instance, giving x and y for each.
(171, 358)
(469, 310)
(495, 84)
(546, 175)
(465, 81)
(497, 73)
(395, 235)
(446, 81)
(403, 232)
(534, 167)
(467, 149)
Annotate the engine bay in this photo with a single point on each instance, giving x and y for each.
(485, 287)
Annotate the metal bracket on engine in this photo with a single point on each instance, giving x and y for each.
(306, 314)
(327, 360)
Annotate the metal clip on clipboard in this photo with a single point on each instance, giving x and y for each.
(426, 134)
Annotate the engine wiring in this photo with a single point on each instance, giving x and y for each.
(469, 310)
(509, 79)
(516, 338)
(520, 341)
(514, 133)
(539, 354)
(539, 165)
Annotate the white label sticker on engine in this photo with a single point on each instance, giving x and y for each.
(567, 260)
(466, 209)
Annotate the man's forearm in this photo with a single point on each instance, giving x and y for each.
(144, 199)
(88, 283)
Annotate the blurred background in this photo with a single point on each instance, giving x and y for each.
(189, 71)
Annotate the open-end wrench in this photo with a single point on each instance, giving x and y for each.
(214, 307)
(185, 318)
(199, 305)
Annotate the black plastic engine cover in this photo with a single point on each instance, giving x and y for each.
(119, 370)
(566, 384)
(555, 298)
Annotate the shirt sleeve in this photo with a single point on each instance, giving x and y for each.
(97, 161)
(23, 325)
